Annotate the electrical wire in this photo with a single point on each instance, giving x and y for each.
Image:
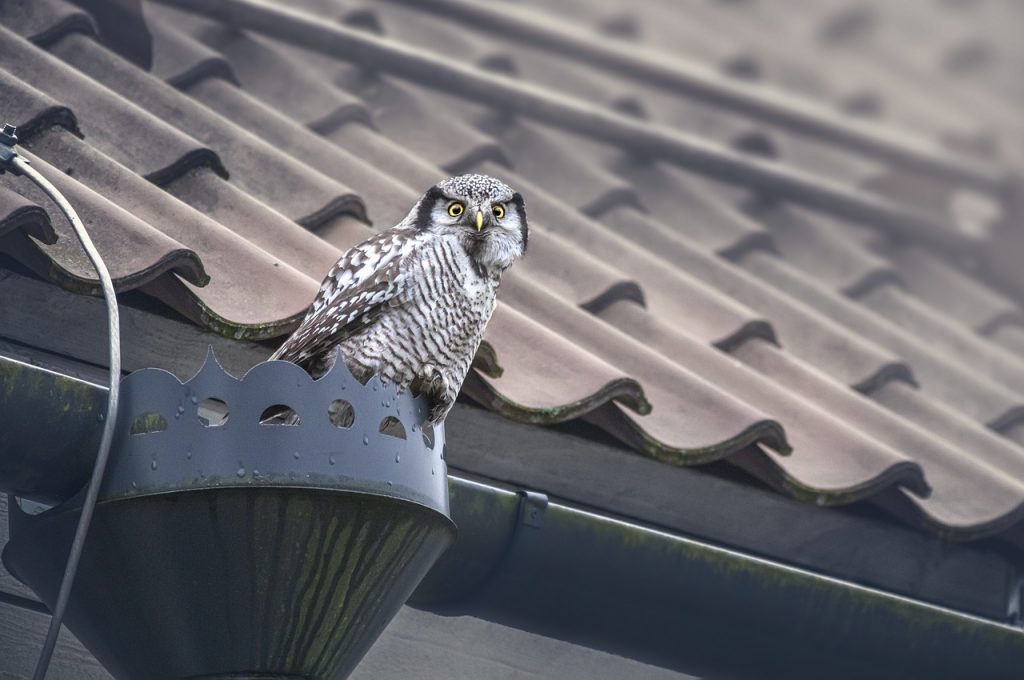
(18, 165)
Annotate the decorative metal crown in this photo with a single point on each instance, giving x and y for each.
(276, 426)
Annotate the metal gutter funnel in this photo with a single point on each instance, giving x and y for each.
(225, 545)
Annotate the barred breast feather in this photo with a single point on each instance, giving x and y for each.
(403, 302)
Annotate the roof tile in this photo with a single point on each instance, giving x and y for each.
(846, 356)
(18, 213)
(581, 382)
(269, 74)
(821, 252)
(136, 252)
(1010, 337)
(405, 115)
(690, 419)
(114, 124)
(181, 61)
(175, 233)
(31, 110)
(946, 337)
(278, 179)
(982, 399)
(45, 22)
(955, 294)
(854, 460)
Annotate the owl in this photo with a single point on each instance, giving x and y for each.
(410, 304)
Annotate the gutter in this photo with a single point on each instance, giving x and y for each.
(562, 571)
(675, 602)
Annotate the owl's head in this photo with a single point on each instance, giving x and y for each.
(487, 217)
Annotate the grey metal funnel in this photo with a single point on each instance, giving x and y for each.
(228, 547)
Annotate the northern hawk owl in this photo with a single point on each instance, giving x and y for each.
(410, 304)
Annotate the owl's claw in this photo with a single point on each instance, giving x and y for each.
(432, 384)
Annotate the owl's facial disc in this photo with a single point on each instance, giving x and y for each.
(486, 214)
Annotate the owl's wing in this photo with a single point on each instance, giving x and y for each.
(356, 291)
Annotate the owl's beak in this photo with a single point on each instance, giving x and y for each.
(479, 220)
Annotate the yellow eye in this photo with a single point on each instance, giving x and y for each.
(499, 211)
(456, 209)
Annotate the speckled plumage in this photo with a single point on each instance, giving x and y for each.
(410, 304)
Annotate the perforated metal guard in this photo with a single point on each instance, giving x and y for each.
(189, 454)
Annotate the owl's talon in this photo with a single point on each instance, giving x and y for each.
(439, 410)
(430, 382)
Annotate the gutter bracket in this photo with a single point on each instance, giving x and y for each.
(531, 508)
(1015, 605)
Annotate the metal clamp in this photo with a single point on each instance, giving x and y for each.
(8, 152)
(531, 508)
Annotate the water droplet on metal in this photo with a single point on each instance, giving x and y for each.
(366, 441)
(134, 485)
(195, 400)
(241, 472)
(389, 484)
(398, 459)
(330, 459)
(432, 471)
(152, 465)
(255, 473)
(188, 454)
(295, 455)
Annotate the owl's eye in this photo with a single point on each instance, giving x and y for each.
(456, 209)
(499, 211)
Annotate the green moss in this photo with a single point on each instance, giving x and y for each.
(246, 332)
(800, 589)
(64, 394)
(148, 422)
(475, 507)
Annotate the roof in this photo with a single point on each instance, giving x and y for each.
(691, 321)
